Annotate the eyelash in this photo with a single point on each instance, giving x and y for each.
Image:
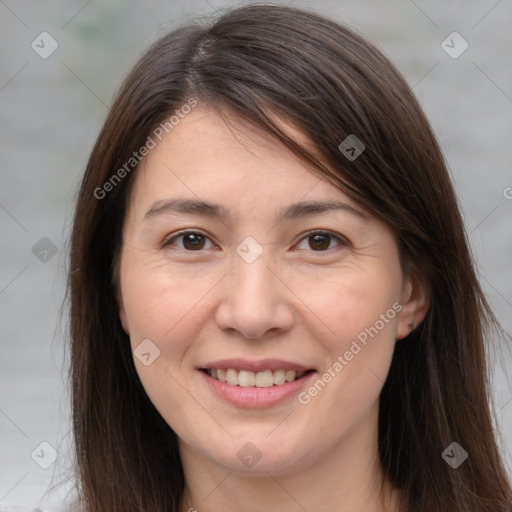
(341, 240)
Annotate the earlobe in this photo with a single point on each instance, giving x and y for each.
(415, 305)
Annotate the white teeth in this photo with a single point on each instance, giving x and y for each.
(289, 375)
(279, 377)
(232, 377)
(246, 378)
(264, 379)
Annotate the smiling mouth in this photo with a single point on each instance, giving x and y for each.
(247, 378)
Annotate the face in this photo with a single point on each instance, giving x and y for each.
(262, 304)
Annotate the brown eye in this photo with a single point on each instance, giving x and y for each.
(193, 241)
(190, 241)
(319, 242)
(322, 241)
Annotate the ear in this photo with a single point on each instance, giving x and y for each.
(415, 304)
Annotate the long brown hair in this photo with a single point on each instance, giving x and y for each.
(263, 62)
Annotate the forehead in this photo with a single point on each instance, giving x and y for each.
(214, 158)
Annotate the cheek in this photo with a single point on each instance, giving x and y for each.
(353, 302)
(357, 321)
(161, 307)
(162, 304)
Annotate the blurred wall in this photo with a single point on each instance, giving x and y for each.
(60, 64)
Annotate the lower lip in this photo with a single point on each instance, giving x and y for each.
(252, 397)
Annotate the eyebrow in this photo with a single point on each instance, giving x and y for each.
(211, 210)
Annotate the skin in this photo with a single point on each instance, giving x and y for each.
(295, 302)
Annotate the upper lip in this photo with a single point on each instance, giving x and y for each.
(256, 366)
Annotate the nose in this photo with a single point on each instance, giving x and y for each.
(254, 301)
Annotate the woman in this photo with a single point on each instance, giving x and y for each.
(273, 302)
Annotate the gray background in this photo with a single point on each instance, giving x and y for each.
(52, 110)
